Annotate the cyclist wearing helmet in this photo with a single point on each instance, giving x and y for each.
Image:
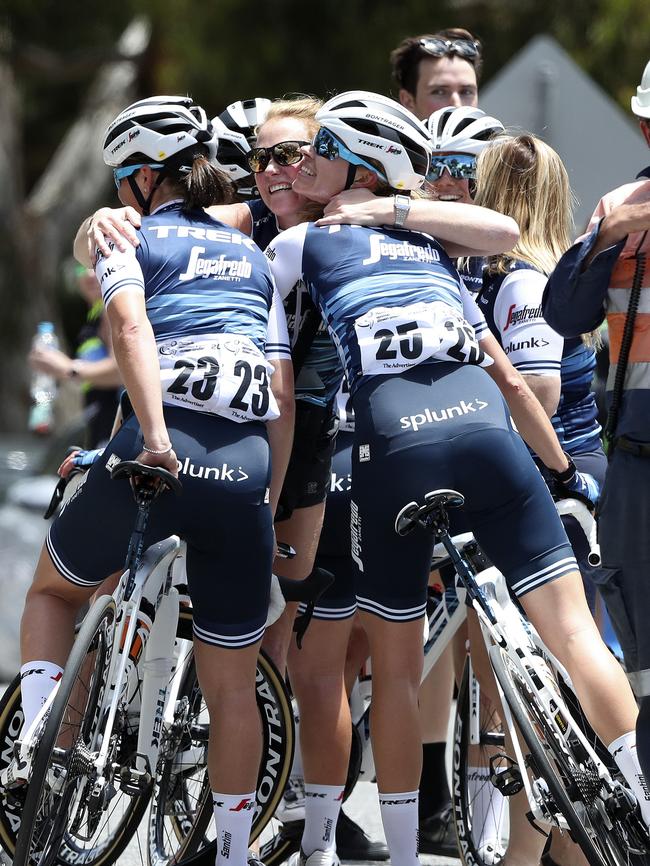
(243, 117)
(427, 416)
(191, 308)
(437, 69)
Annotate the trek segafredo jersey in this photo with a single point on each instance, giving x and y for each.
(391, 298)
(209, 297)
(321, 371)
(512, 305)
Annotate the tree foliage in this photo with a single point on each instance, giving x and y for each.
(229, 49)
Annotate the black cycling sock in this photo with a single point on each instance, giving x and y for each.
(434, 788)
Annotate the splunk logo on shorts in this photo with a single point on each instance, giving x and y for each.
(216, 473)
(517, 315)
(432, 416)
(381, 248)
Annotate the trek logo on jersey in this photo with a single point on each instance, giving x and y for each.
(523, 314)
(532, 343)
(221, 268)
(380, 248)
(433, 416)
(163, 232)
(222, 473)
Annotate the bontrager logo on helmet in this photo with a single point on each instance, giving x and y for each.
(158, 128)
(373, 126)
(245, 115)
(231, 150)
(462, 130)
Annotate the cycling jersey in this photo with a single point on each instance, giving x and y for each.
(426, 415)
(208, 295)
(512, 305)
(392, 299)
(211, 336)
(471, 272)
(320, 372)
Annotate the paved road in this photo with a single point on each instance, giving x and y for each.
(361, 807)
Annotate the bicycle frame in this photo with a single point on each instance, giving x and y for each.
(150, 587)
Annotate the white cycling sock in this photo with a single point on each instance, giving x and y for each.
(322, 807)
(37, 680)
(399, 815)
(233, 815)
(623, 750)
(488, 807)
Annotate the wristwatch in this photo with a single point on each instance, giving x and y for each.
(401, 206)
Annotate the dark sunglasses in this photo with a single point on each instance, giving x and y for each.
(284, 153)
(440, 47)
(327, 145)
(461, 166)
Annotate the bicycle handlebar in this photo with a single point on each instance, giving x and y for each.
(578, 510)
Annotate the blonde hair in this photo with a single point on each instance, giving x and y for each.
(300, 107)
(522, 177)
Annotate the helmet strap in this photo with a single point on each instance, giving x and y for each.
(145, 203)
(352, 173)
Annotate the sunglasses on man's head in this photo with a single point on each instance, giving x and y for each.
(284, 153)
(441, 47)
(461, 166)
(127, 170)
(327, 145)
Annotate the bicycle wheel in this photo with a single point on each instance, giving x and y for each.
(564, 773)
(480, 810)
(65, 812)
(180, 825)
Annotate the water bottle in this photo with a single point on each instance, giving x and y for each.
(42, 388)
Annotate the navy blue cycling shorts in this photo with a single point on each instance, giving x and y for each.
(339, 599)
(445, 425)
(222, 514)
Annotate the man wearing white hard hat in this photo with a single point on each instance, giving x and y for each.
(606, 274)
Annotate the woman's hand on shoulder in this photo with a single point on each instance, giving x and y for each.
(358, 207)
(113, 224)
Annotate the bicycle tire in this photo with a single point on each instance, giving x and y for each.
(180, 820)
(471, 785)
(50, 820)
(570, 781)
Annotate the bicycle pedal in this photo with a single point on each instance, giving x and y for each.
(134, 782)
(506, 779)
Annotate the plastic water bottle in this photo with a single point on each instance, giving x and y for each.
(43, 387)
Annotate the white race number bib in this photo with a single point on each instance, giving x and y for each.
(224, 374)
(396, 338)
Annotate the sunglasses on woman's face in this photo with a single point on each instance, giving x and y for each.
(327, 145)
(127, 170)
(441, 47)
(461, 166)
(284, 153)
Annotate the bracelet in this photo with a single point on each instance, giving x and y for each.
(153, 451)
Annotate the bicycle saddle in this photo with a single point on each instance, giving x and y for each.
(436, 500)
(153, 478)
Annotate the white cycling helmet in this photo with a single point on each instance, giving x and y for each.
(641, 102)
(158, 128)
(373, 126)
(245, 116)
(462, 130)
(231, 151)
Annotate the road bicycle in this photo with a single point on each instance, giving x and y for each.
(127, 721)
(569, 779)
